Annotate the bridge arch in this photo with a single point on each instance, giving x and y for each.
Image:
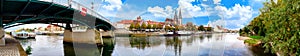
(14, 25)
(25, 21)
(31, 10)
(49, 17)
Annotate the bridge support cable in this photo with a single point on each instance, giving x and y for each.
(45, 9)
(25, 7)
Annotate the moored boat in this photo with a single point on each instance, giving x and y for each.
(178, 33)
(23, 34)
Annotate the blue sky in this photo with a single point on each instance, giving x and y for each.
(235, 14)
(231, 14)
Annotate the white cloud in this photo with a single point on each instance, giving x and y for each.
(113, 4)
(217, 1)
(129, 12)
(161, 12)
(108, 8)
(236, 16)
(189, 10)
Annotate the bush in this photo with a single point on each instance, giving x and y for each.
(251, 41)
(256, 37)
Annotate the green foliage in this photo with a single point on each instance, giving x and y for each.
(167, 28)
(240, 31)
(137, 26)
(27, 30)
(154, 26)
(149, 26)
(209, 29)
(279, 23)
(256, 37)
(28, 50)
(144, 26)
(201, 28)
(160, 26)
(251, 41)
(246, 30)
(132, 26)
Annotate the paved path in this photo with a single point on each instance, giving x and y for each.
(12, 47)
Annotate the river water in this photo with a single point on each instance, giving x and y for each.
(217, 44)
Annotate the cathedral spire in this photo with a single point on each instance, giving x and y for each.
(175, 17)
(180, 17)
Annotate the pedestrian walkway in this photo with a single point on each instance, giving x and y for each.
(12, 48)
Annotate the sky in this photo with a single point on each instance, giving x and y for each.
(231, 14)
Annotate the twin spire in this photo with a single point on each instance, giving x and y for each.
(178, 18)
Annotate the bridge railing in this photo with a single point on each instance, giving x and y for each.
(78, 4)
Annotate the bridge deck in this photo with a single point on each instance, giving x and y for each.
(40, 11)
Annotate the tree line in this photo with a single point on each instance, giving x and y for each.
(155, 27)
(279, 25)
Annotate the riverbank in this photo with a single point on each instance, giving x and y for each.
(12, 47)
(253, 42)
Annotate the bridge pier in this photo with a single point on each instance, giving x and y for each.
(108, 33)
(88, 37)
(80, 37)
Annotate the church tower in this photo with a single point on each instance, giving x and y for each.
(175, 18)
(180, 17)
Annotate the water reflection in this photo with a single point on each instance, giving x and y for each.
(218, 44)
(44, 45)
(106, 50)
(174, 43)
(140, 43)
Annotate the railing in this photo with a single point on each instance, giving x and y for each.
(83, 4)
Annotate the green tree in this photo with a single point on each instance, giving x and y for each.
(209, 29)
(144, 26)
(154, 26)
(149, 26)
(160, 26)
(132, 26)
(201, 28)
(240, 31)
(245, 30)
(137, 26)
(279, 23)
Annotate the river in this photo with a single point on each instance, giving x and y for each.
(217, 44)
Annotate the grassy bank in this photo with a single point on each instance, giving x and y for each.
(254, 41)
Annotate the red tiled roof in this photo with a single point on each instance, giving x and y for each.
(168, 19)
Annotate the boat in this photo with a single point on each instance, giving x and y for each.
(23, 34)
(178, 33)
(185, 33)
(170, 33)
